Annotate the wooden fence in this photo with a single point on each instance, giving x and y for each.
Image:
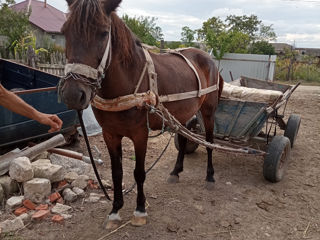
(53, 63)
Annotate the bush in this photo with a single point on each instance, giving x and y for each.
(308, 71)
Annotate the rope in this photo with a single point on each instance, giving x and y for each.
(177, 127)
(91, 157)
(153, 110)
(95, 167)
(152, 166)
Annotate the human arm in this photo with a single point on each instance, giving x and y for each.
(15, 104)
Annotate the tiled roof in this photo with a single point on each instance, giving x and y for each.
(46, 17)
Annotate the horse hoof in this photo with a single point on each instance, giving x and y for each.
(139, 219)
(209, 186)
(173, 179)
(112, 222)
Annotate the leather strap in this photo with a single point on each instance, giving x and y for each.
(153, 77)
(125, 102)
(190, 65)
(187, 95)
(139, 100)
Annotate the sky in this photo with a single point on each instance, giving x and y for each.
(296, 22)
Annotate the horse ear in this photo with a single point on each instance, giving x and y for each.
(111, 5)
(70, 2)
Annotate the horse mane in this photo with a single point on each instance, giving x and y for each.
(123, 40)
(88, 16)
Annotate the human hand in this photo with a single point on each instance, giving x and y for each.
(51, 120)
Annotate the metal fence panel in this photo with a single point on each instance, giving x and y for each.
(249, 65)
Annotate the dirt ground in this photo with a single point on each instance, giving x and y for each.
(242, 206)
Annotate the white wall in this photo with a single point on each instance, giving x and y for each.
(248, 65)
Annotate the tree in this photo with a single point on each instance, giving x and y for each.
(221, 39)
(262, 47)
(251, 26)
(145, 29)
(212, 25)
(236, 35)
(187, 36)
(267, 33)
(14, 25)
(246, 24)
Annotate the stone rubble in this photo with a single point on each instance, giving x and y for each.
(14, 202)
(11, 225)
(37, 189)
(80, 193)
(71, 176)
(47, 185)
(69, 195)
(94, 198)
(72, 165)
(81, 182)
(21, 169)
(9, 185)
(60, 209)
(44, 169)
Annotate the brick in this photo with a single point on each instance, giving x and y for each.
(54, 197)
(42, 207)
(92, 185)
(28, 204)
(41, 214)
(20, 211)
(57, 219)
(62, 184)
(60, 200)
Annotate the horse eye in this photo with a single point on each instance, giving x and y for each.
(104, 34)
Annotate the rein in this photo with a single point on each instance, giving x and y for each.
(91, 156)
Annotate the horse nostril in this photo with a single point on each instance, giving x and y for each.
(83, 97)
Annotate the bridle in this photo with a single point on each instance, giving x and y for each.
(82, 72)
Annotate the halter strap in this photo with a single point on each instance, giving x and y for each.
(90, 72)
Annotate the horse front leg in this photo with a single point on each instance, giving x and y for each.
(115, 151)
(140, 146)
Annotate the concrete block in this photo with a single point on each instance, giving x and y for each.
(37, 189)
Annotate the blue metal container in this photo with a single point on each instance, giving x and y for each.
(15, 128)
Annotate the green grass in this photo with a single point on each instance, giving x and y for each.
(308, 74)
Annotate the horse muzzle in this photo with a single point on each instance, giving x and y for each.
(75, 95)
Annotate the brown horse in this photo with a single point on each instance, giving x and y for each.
(91, 28)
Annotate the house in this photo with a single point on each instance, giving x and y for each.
(46, 21)
(280, 47)
(313, 52)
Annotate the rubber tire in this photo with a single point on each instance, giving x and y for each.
(292, 128)
(277, 158)
(191, 147)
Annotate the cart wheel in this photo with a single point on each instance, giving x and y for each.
(292, 128)
(276, 160)
(191, 147)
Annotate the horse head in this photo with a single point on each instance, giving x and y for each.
(88, 50)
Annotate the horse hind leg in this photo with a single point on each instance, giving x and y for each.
(140, 146)
(115, 151)
(178, 168)
(208, 119)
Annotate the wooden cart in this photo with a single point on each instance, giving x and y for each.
(238, 123)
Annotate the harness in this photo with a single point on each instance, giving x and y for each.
(151, 97)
